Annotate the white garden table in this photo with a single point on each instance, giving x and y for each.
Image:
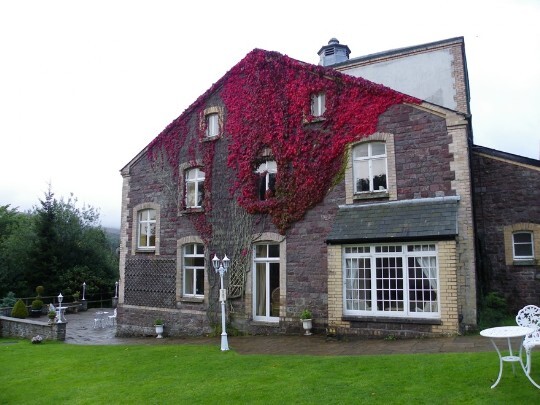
(509, 332)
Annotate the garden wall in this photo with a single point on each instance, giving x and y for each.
(25, 328)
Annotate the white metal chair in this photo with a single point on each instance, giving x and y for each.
(529, 316)
(112, 318)
(98, 320)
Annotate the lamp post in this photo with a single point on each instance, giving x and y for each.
(116, 290)
(60, 315)
(221, 267)
(84, 303)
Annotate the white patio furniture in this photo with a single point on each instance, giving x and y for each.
(509, 332)
(529, 316)
(99, 319)
(112, 318)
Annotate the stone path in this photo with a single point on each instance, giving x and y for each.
(80, 330)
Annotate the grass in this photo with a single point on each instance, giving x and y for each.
(171, 374)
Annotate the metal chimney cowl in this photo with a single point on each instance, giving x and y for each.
(333, 53)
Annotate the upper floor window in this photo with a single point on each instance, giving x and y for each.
(194, 188)
(211, 122)
(370, 167)
(523, 245)
(318, 104)
(193, 276)
(212, 125)
(147, 229)
(267, 179)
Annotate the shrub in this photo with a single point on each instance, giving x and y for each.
(9, 300)
(37, 304)
(493, 310)
(40, 290)
(19, 310)
(306, 314)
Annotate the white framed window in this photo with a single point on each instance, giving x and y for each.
(194, 188)
(266, 276)
(212, 125)
(267, 179)
(370, 167)
(398, 280)
(523, 245)
(193, 270)
(146, 229)
(318, 104)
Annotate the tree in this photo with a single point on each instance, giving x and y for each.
(16, 237)
(71, 248)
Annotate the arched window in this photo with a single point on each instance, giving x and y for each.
(267, 179)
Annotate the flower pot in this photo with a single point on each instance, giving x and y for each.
(35, 313)
(159, 331)
(306, 323)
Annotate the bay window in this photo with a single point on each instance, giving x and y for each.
(397, 280)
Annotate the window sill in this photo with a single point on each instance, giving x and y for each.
(266, 323)
(526, 262)
(191, 211)
(314, 120)
(197, 300)
(210, 138)
(142, 250)
(384, 319)
(371, 195)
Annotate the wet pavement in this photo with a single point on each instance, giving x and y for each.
(80, 330)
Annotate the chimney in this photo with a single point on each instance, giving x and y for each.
(333, 53)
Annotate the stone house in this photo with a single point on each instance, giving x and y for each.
(345, 188)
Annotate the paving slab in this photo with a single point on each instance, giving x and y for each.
(81, 331)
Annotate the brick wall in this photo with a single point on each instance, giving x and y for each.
(506, 193)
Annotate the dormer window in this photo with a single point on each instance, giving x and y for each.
(267, 179)
(318, 104)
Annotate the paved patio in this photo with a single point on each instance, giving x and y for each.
(81, 331)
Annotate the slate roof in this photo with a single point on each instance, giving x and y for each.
(420, 219)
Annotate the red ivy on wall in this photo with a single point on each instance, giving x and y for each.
(267, 104)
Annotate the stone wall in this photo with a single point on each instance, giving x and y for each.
(506, 197)
(25, 328)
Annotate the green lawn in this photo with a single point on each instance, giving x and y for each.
(58, 373)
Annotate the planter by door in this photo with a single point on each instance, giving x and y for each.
(159, 331)
(306, 323)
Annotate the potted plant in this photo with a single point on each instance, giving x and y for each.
(305, 316)
(159, 328)
(37, 305)
(51, 315)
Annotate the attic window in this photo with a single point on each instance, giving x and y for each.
(318, 104)
(211, 122)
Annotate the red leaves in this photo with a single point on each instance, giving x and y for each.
(267, 100)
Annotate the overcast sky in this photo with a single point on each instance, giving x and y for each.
(86, 85)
